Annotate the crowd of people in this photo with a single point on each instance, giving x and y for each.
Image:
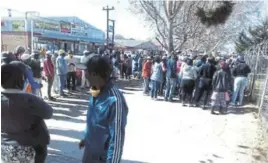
(24, 134)
(222, 81)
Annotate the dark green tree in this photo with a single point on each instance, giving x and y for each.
(254, 36)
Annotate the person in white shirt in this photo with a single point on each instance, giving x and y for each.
(71, 75)
(84, 81)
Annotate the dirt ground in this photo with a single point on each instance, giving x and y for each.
(164, 132)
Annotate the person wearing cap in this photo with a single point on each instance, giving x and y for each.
(19, 51)
(26, 59)
(61, 70)
(146, 74)
(49, 73)
(84, 81)
(55, 82)
(240, 72)
(71, 75)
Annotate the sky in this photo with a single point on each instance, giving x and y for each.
(126, 23)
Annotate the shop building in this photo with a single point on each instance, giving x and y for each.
(50, 33)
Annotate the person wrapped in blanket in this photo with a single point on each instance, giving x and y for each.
(31, 85)
(24, 134)
(221, 85)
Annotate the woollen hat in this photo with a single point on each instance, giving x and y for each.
(25, 56)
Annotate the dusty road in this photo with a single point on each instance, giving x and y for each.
(160, 132)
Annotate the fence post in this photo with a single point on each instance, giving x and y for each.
(263, 94)
(255, 72)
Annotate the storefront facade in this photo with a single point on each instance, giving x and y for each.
(53, 33)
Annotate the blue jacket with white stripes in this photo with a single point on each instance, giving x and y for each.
(106, 122)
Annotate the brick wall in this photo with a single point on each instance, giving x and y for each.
(10, 40)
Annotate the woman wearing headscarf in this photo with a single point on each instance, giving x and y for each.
(24, 134)
(188, 76)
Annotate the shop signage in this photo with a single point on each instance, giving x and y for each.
(79, 30)
(18, 25)
(65, 27)
(50, 26)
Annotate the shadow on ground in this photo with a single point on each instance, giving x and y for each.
(129, 85)
(70, 108)
(242, 109)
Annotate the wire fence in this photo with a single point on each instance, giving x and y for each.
(257, 59)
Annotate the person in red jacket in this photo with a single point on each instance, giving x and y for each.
(49, 73)
(146, 73)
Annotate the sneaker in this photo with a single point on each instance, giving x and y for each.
(232, 104)
(63, 95)
(51, 99)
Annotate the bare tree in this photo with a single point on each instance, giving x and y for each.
(163, 14)
(177, 26)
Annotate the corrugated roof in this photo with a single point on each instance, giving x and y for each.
(137, 44)
(128, 43)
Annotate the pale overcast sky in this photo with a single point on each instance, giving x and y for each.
(127, 24)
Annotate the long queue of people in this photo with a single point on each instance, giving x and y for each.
(220, 81)
(24, 134)
(58, 69)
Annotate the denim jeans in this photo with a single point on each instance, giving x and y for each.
(170, 87)
(146, 85)
(240, 84)
(62, 83)
(155, 88)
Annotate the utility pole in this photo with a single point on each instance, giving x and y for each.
(9, 13)
(107, 9)
(113, 32)
(31, 14)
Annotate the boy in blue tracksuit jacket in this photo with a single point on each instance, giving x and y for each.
(106, 115)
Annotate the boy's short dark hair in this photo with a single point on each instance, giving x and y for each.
(99, 65)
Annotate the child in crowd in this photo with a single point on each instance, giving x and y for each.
(221, 84)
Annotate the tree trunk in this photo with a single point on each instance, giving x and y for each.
(170, 37)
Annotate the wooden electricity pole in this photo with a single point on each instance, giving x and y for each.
(107, 9)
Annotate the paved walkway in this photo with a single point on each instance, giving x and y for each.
(159, 132)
